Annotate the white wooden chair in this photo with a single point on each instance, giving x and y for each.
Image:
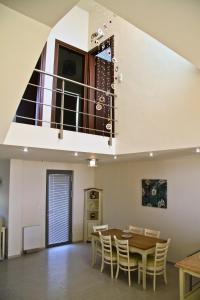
(98, 250)
(100, 227)
(125, 261)
(134, 229)
(156, 265)
(152, 233)
(109, 256)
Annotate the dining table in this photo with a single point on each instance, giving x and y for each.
(138, 243)
(190, 265)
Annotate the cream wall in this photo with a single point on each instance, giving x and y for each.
(73, 30)
(158, 100)
(22, 40)
(27, 198)
(4, 189)
(47, 138)
(122, 197)
(175, 23)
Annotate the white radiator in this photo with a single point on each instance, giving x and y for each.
(31, 237)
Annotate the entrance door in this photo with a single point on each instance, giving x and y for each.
(59, 208)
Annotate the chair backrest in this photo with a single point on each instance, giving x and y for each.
(106, 244)
(134, 229)
(97, 228)
(152, 233)
(122, 248)
(161, 253)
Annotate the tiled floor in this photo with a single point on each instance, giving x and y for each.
(65, 273)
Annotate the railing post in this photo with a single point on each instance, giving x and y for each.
(111, 122)
(60, 135)
(77, 113)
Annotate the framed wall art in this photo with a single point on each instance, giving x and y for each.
(154, 193)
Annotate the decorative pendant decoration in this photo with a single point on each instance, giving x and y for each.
(114, 60)
(108, 126)
(98, 106)
(105, 26)
(102, 99)
(116, 69)
(112, 86)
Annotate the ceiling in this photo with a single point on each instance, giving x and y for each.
(175, 23)
(37, 154)
(48, 12)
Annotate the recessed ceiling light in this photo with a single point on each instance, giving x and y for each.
(25, 149)
(115, 157)
(151, 154)
(75, 153)
(197, 150)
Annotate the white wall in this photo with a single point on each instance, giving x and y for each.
(73, 30)
(122, 200)
(175, 23)
(4, 189)
(158, 101)
(47, 138)
(27, 198)
(22, 40)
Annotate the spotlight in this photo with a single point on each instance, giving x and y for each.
(197, 150)
(92, 162)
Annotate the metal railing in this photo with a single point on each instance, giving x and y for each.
(98, 117)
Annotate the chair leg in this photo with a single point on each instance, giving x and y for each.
(139, 275)
(154, 282)
(102, 263)
(117, 272)
(111, 266)
(165, 276)
(95, 253)
(129, 277)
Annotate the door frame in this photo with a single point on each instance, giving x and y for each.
(59, 43)
(70, 173)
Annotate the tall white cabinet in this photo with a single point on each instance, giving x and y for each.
(92, 211)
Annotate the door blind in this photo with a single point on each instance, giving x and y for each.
(59, 214)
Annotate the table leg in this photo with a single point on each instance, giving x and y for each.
(144, 265)
(182, 284)
(93, 251)
(3, 242)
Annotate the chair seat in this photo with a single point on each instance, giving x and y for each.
(150, 263)
(133, 261)
(107, 256)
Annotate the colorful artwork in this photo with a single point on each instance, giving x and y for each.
(154, 192)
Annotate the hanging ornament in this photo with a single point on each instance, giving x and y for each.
(102, 99)
(108, 126)
(105, 26)
(98, 106)
(114, 60)
(116, 69)
(103, 46)
(112, 86)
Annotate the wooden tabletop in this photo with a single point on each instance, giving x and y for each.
(190, 263)
(136, 240)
